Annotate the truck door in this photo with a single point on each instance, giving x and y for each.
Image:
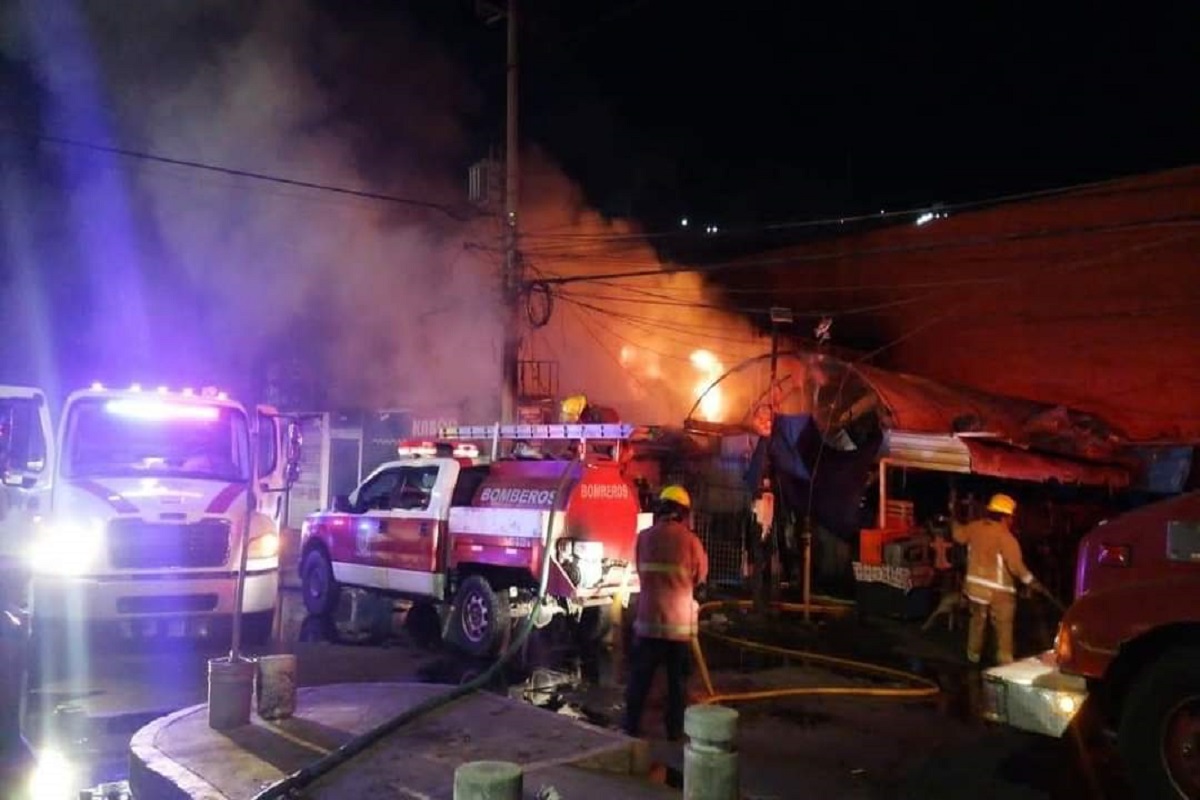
(27, 458)
(279, 452)
(407, 524)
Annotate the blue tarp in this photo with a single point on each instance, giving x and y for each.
(801, 468)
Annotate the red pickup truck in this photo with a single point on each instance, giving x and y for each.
(1128, 647)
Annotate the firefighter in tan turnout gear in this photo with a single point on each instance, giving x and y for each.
(671, 565)
(993, 561)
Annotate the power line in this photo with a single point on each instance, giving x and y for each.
(831, 221)
(258, 176)
(705, 340)
(758, 311)
(974, 241)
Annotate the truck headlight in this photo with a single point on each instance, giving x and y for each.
(265, 546)
(67, 547)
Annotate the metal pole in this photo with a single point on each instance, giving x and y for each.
(774, 363)
(807, 537)
(512, 262)
(235, 649)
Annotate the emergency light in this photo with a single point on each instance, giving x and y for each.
(159, 411)
(424, 449)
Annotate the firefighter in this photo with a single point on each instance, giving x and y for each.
(672, 566)
(993, 560)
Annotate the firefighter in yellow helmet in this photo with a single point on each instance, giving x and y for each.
(993, 561)
(671, 565)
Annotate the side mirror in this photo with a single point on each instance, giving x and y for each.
(295, 442)
(341, 504)
(295, 447)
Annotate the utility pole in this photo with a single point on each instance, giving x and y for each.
(512, 277)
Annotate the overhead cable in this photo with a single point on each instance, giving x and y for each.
(448, 210)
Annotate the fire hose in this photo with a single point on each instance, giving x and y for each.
(920, 687)
(293, 784)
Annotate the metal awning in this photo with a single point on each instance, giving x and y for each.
(991, 457)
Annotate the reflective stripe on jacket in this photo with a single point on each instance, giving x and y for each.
(671, 562)
(993, 559)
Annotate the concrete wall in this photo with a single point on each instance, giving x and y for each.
(1090, 299)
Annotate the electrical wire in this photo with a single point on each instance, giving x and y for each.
(655, 326)
(241, 173)
(596, 338)
(835, 220)
(757, 311)
(658, 270)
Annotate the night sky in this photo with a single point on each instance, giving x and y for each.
(738, 115)
(745, 112)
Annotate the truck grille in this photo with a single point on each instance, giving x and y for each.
(136, 544)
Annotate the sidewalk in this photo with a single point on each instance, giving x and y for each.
(179, 756)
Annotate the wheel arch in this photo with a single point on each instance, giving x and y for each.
(1135, 655)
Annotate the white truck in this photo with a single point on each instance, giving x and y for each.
(133, 515)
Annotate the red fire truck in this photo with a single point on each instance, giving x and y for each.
(446, 528)
(1128, 648)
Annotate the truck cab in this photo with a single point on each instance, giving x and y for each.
(132, 514)
(465, 534)
(1128, 648)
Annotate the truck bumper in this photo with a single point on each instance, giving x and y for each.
(1032, 695)
(102, 599)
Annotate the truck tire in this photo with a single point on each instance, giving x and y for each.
(1160, 721)
(321, 590)
(481, 616)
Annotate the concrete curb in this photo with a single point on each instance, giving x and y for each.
(156, 775)
(161, 776)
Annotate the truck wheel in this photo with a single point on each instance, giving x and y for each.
(1159, 734)
(481, 616)
(321, 591)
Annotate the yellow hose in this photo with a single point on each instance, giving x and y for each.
(922, 688)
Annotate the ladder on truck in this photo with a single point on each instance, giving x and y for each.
(582, 433)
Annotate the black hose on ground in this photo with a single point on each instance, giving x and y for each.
(304, 776)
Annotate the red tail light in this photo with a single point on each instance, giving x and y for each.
(1114, 555)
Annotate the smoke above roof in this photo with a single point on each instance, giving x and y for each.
(120, 267)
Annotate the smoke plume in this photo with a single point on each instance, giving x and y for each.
(187, 276)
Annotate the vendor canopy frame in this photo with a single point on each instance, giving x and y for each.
(934, 426)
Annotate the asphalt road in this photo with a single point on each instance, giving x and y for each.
(97, 699)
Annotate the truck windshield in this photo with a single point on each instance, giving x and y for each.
(154, 437)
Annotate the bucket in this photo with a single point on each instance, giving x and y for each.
(276, 686)
(230, 692)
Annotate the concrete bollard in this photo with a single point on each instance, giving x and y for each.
(276, 686)
(488, 780)
(710, 761)
(230, 693)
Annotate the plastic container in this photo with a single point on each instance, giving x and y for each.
(230, 692)
(871, 542)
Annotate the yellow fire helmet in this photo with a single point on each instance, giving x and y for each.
(1002, 504)
(572, 407)
(676, 494)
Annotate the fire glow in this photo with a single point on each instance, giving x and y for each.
(710, 369)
